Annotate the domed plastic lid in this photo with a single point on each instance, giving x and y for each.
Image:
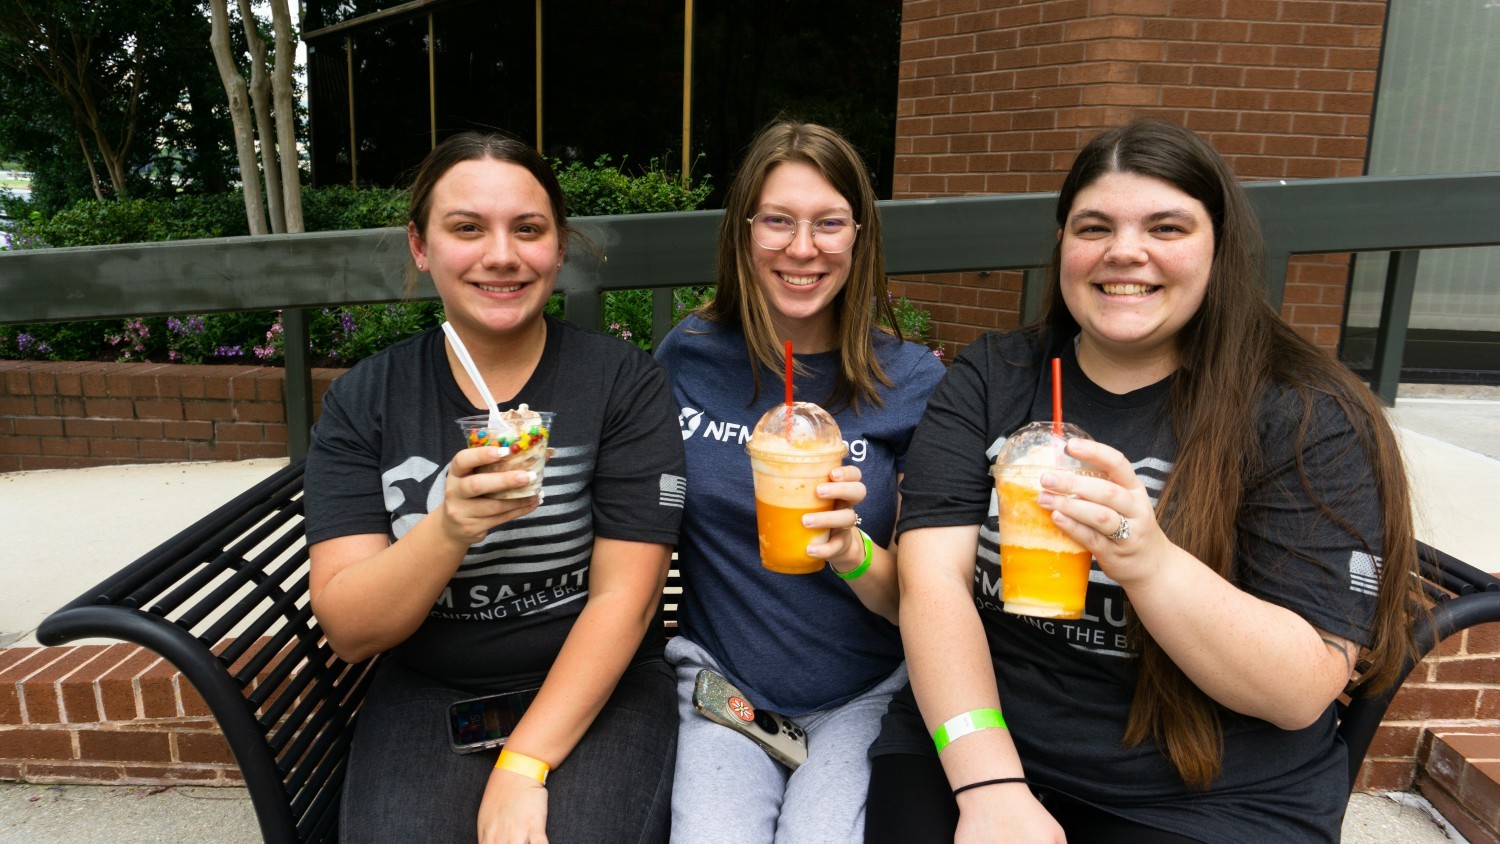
(801, 427)
(1034, 444)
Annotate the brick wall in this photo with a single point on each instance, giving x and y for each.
(105, 714)
(997, 97)
(69, 415)
(1458, 685)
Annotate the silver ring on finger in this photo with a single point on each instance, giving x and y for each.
(1122, 532)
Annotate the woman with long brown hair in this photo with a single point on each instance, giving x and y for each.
(800, 260)
(1251, 537)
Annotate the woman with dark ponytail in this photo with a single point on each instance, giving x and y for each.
(1251, 537)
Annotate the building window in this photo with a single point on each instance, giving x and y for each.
(1436, 112)
(612, 74)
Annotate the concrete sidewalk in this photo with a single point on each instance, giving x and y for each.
(66, 814)
(67, 530)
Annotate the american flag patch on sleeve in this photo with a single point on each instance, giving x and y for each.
(673, 491)
(1364, 573)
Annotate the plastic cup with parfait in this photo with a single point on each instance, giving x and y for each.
(792, 450)
(1043, 572)
(522, 434)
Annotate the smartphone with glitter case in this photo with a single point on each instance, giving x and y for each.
(779, 736)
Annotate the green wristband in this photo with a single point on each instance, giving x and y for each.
(961, 725)
(859, 570)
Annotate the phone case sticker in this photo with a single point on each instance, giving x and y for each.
(742, 709)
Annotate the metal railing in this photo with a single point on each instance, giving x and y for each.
(1401, 215)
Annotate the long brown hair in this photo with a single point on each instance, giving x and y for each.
(1231, 353)
(862, 306)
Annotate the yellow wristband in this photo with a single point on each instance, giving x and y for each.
(526, 766)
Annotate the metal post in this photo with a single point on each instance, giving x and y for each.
(299, 403)
(431, 80)
(687, 91)
(661, 314)
(1276, 264)
(1395, 316)
(353, 138)
(1033, 288)
(585, 308)
(539, 147)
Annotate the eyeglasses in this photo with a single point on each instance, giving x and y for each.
(775, 231)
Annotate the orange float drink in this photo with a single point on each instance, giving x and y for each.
(1043, 572)
(791, 453)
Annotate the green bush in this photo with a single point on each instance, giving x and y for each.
(604, 188)
(339, 336)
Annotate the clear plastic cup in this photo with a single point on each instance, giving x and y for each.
(792, 450)
(1043, 572)
(523, 434)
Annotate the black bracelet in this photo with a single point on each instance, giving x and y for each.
(982, 783)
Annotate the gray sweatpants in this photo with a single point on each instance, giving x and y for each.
(727, 789)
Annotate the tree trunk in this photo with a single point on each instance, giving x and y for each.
(239, 111)
(286, 114)
(260, 100)
(93, 174)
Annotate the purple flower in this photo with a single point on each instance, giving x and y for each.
(228, 352)
(346, 319)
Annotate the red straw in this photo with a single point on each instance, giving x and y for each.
(788, 389)
(1057, 397)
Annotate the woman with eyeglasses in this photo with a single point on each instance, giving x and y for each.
(799, 259)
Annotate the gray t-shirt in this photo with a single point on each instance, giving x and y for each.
(1066, 686)
(379, 461)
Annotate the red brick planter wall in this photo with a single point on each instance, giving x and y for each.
(1457, 686)
(98, 714)
(70, 415)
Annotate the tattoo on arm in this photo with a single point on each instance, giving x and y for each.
(1339, 646)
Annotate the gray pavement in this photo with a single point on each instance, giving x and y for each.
(67, 814)
(66, 530)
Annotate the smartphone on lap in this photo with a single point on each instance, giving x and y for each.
(482, 723)
(721, 702)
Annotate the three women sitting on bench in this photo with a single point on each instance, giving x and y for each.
(1250, 530)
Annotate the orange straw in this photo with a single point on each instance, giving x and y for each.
(788, 389)
(1057, 397)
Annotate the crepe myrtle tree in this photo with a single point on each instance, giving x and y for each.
(266, 143)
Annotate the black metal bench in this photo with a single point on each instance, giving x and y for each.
(225, 601)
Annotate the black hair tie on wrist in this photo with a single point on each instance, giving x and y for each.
(982, 783)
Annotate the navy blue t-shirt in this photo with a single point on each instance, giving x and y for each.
(793, 643)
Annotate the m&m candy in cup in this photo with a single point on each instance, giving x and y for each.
(521, 435)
